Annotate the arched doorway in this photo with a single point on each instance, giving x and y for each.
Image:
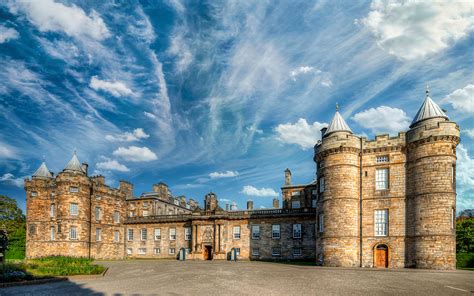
(381, 256)
(207, 253)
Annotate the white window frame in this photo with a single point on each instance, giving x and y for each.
(156, 251)
(295, 193)
(129, 251)
(73, 233)
(322, 184)
(255, 252)
(141, 251)
(130, 234)
(98, 234)
(382, 159)
(74, 209)
(116, 216)
(143, 234)
(382, 179)
(172, 234)
(34, 193)
(297, 251)
(52, 211)
(131, 214)
(255, 231)
(53, 233)
(116, 236)
(187, 233)
(171, 251)
(296, 204)
(97, 214)
(321, 223)
(297, 230)
(236, 232)
(145, 213)
(157, 233)
(276, 251)
(381, 222)
(73, 189)
(237, 251)
(98, 197)
(276, 231)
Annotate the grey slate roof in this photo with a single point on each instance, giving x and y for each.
(337, 125)
(429, 109)
(74, 164)
(43, 171)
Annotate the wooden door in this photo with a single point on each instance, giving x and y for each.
(381, 256)
(206, 253)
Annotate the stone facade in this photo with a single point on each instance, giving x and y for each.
(387, 202)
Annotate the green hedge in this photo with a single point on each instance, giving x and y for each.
(465, 260)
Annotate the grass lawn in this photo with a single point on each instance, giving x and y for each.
(19, 270)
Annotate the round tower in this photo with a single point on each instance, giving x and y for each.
(337, 160)
(73, 210)
(431, 188)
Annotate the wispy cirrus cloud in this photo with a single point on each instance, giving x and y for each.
(9, 179)
(115, 88)
(136, 135)
(227, 174)
(7, 34)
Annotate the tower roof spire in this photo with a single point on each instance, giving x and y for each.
(338, 124)
(43, 171)
(429, 109)
(74, 164)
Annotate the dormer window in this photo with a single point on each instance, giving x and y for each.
(382, 159)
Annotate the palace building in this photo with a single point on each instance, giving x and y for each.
(386, 202)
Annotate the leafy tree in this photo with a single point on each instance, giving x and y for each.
(13, 221)
(465, 235)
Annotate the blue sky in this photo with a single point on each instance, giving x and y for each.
(221, 96)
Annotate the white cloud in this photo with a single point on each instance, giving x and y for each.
(179, 47)
(300, 133)
(228, 174)
(301, 70)
(7, 34)
(254, 130)
(112, 165)
(319, 76)
(468, 132)
(10, 179)
(49, 15)
(135, 154)
(137, 135)
(149, 115)
(462, 99)
(464, 178)
(6, 152)
(116, 88)
(383, 119)
(252, 191)
(414, 29)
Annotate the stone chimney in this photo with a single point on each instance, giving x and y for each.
(127, 188)
(227, 206)
(99, 179)
(276, 203)
(249, 205)
(162, 190)
(85, 167)
(287, 177)
(210, 202)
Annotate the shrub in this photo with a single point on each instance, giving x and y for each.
(465, 260)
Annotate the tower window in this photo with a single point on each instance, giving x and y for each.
(34, 193)
(382, 159)
(381, 179)
(381, 222)
(73, 232)
(98, 234)
(73, 189)
(97, 214)
(53, 234)
(73, 209)
(117, 217)
(116, 236)
(321, 222)
(322, 184)
(52, 211)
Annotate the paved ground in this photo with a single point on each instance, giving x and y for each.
(144, 277)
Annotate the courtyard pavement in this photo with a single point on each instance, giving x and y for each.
(166, 277)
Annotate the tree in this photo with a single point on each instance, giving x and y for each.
(465, 235)
(13, 221)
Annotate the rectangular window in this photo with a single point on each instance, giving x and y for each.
(322, 184)
(295, 204)
(98, 234)
(52, 211)
(142, 251)
(73, 189)
(187, 233)
(236, 232)
(321, 222)
(156, 251)
(131, 214)
(382, 159)
(34, 193)
(97, 214)
(381, 179)
(157, 233)
(296, 230)
(129, 251)
(145, 213)
(143, 234)
(98, 197)
(381, 222)
(276, 231)
(172, 251)
(173, 234)
(255, 231)
(276, 251)
(73, 209)
(296, 251)
(313, 203)
(53, 236)
(117, 217)
(116, 236)
(73, 232)
(255, 252)
(294, 193)
(130, 234)
(237, 251)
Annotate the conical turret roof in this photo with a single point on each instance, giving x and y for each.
(43, 171)
(74, 164)
(429, 109)
(338, 124)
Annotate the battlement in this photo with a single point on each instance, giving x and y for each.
(432, 128)
(384, 141)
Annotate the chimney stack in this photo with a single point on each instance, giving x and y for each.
(287, 177)
(227, 206)
(85, 167)
(276, 203)
(249, 204)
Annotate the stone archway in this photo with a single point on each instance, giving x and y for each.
(381, 256)
(207, 252)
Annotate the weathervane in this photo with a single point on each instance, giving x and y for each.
(337, 107)
(427, 90)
